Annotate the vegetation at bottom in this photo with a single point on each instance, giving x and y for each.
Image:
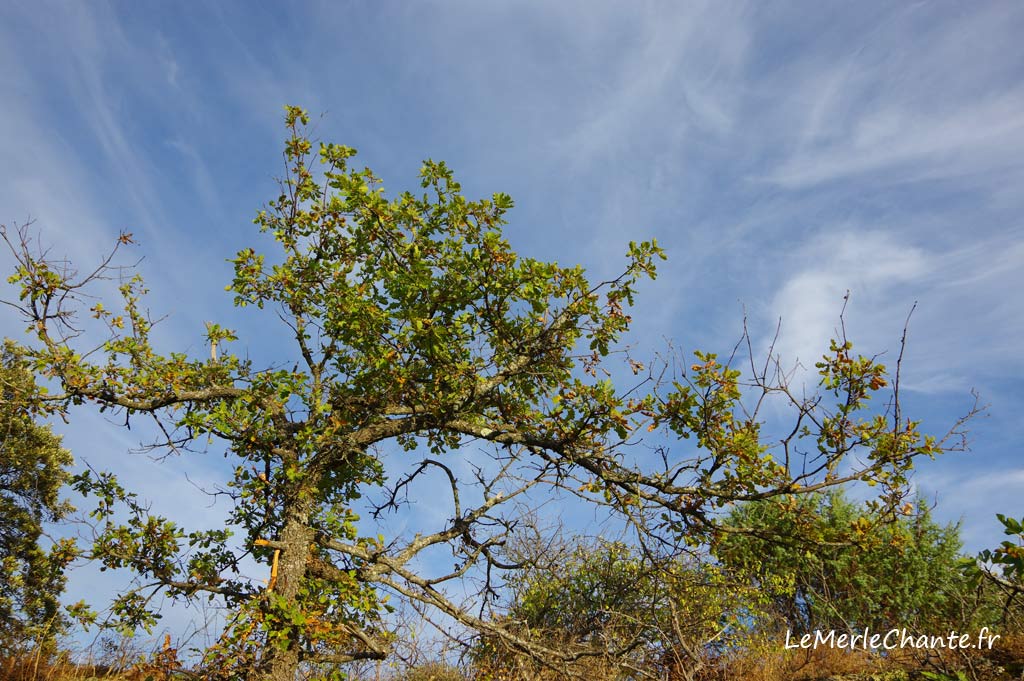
(417, 356)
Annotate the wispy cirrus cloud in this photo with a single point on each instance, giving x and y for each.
(880, 108)
(898, 144)
(867, 265)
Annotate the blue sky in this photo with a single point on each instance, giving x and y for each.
(783, 153)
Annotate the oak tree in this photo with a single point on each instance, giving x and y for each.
(1003, 569)
(414, 327)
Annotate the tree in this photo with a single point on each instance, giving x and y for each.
(414, 325)
(33, 468)
(671, 615)
(842, 566)
(1003, 568)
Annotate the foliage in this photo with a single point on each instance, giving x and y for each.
(431, 671)
(33, 467)
(670, 614)
(828, 563)
(1008, 557)
(999, 574)
(939, 676)
(413, 325)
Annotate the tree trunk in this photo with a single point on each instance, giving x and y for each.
(292, 563)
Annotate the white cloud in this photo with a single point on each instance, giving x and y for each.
(867, 264)
(979, 137)
(880, 108)
(677, 83)
(964, 331)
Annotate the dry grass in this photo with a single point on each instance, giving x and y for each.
(119, 659)
(762, 662)
(29, 668)
(765, 664)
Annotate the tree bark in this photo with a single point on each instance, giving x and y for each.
(293, 562)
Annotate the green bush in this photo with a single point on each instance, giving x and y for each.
(827, 563)
(33, 466)
(616, 610)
